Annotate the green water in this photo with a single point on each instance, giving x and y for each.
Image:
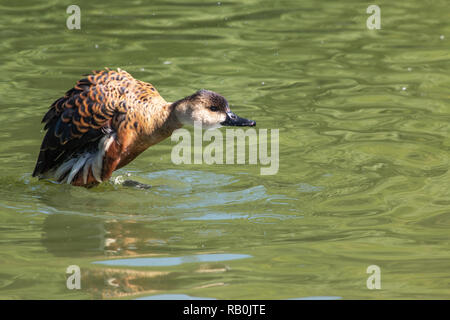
(363, 117)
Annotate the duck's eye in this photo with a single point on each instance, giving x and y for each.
(213, 108)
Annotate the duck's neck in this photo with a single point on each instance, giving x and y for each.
(180, 111)
(160, 121)
(172, 119)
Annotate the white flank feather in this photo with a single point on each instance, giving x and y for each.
(86, 161)
(63, 168)
(86, 168)
(77, 166)
(108, 142)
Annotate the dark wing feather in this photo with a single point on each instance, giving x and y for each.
(77, 121)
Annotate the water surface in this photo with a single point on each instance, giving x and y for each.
(364, 152)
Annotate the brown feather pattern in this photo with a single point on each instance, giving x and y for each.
(104, 104)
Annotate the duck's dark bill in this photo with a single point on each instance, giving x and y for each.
(234, 120)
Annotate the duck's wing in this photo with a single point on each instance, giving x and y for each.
(91, 110)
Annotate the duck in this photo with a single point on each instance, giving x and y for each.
(109, 118)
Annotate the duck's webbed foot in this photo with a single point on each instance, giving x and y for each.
(135, 184)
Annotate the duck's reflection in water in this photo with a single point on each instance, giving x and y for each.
(83, 240)
(69, 235)
(116, 283)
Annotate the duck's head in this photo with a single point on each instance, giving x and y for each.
(210, 109)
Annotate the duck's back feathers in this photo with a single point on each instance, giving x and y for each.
(86, 120)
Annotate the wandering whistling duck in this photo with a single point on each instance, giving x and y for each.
(109, 118)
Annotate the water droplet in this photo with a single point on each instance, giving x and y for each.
(118, 180)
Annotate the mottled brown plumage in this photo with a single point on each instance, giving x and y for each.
(107, 119)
